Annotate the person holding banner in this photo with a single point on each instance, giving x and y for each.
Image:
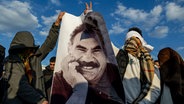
(23, 66)
(23, 69)
(86, 75)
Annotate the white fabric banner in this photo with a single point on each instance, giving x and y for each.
(69, 23)
(85, 70)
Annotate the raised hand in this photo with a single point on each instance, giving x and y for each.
(59, 19)
(88, 8)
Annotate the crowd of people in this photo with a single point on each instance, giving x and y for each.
(86, 75)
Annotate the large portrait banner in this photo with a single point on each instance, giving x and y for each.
(86, 71)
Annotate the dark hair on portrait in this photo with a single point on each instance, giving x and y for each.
(88, 28)
(135, 29)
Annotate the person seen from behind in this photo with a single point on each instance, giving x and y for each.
(172, 76)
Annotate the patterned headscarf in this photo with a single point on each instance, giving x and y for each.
(134, 46)
(132, 33)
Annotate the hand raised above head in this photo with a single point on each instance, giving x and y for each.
(88, 8)
(59, 19)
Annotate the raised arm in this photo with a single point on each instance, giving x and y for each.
(51, 39)
(87, 10)
(59, 19)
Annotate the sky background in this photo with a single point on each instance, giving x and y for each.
(161, 21)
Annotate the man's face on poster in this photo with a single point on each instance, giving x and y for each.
(90, 56)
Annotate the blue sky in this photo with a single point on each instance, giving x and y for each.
(161, 21)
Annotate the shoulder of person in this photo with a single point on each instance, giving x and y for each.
(122, 56)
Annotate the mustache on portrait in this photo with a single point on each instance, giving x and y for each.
(90, 64)
(86, 64)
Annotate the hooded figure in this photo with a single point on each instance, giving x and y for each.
(24, 69)
(172, 73)
(22, 39)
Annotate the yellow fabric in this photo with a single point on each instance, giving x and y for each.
(28, 70)
(133, 46)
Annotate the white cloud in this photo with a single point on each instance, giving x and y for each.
(130, 13)
(182, 29)
(44, 32)
(160, 32)
(157, 10)
(174, 12)
(153, 18)
(116, 29)
(16, 16)
(128, 16)
(80, 2)
(179, 1)
(56, 2)
(48, 21)
(180, 49)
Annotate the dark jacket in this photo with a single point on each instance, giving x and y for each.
(61, 90)
(2, 56)
(19, 90)
(48, 73)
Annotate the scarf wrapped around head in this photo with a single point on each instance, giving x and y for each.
(132, 33)
(135, 47)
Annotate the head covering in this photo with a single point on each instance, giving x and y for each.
(172, 72)
(132, 33)
(22, 39)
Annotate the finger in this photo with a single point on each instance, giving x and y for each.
(87, 7)
(69, 58)
(90, 7)
(73, 65)
(65, 62)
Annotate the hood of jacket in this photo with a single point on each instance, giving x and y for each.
(22, 39)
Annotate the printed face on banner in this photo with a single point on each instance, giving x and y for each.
(89, 54)
(85, 72)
